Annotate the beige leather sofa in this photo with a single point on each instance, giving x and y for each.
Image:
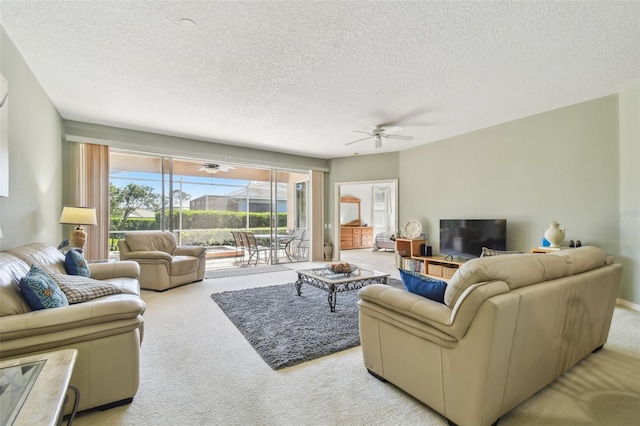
(163, 264)
(509, 326)
(107, 331)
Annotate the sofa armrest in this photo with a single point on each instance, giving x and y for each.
(121, 269)
(148, 256)
(405, 302)
(195, 251)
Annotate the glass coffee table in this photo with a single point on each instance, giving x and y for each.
(333, 283)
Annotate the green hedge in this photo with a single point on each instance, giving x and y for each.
(200, 219)
(201, 227)
(202, 237)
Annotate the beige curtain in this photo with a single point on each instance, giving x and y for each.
(92, 190)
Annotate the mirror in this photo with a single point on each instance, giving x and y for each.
(349, 211)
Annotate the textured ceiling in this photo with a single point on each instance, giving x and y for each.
(300, 77)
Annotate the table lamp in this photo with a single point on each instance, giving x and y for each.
(76, 215)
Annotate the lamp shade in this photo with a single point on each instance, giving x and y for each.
(75, 215)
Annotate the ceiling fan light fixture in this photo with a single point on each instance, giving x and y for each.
(210, 168)
(215, 168)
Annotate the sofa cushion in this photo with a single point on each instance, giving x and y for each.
(44, 256)
(40, 291)
(423, 285)
(75, 263)
(80, 289)
(151, 241)
(11, 270)
(184, 265)
(492, 252)
(519, 270)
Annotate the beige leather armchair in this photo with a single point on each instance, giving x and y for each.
(163, 264)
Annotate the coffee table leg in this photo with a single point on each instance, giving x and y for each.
(298, 284)
(332, 299)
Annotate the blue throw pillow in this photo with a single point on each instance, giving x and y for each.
(40, 291)
(423, 285)
(75, 264)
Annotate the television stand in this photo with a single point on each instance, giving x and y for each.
(408, 257)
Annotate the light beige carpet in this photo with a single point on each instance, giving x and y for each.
(198, 369)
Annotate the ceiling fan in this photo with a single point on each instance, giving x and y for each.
(215, 168)
(379, 133)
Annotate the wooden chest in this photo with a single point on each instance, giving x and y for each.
(353, 237)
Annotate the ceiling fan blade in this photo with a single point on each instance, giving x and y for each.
(359, 140)
(361, 131)
(404, 138)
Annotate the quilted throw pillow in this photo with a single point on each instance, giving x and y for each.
(491, 252)
(423, 286)
(75, 264)
(80, 289)
(40, 291)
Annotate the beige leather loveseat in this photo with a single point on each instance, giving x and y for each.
(509, 326)
(163, 264)
(106, 331)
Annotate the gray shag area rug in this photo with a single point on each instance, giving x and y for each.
(244, 270)
(286, 329)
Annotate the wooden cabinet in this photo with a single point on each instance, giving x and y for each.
(354, 237)
(408, 257)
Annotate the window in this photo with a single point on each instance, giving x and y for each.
(381, 207)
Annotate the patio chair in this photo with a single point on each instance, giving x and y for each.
(289, 242)
(255, 249)
(240, 247)
(244, 240)
(302, 247)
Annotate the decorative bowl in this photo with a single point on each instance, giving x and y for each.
(342, 268)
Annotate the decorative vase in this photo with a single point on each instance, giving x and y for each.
(554, 234)
(328, 251)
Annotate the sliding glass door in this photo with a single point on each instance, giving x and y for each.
(289, 231)
(203, 201)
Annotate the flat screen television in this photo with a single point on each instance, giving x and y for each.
(466, 237)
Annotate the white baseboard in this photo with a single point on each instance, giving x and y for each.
(627, 304)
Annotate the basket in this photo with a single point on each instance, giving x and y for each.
(447, 271)
(434, 269)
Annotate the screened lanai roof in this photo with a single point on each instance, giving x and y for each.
(259, 190)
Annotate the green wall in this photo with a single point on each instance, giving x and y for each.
(629, 211)
(32, 210)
